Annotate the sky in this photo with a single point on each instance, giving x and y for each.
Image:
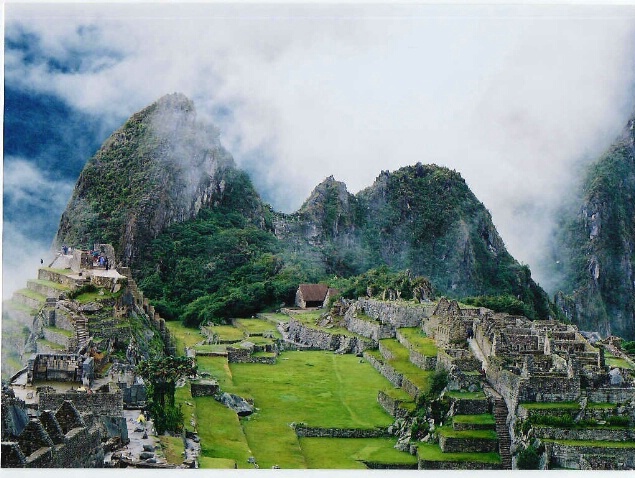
(515, 98)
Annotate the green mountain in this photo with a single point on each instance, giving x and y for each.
(204, 246)
(161, 167)
(595, 244)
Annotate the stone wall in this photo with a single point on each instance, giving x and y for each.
(240, 355)
(591, 433)
(610, 395)
(52, 276)
(409, 387)
(422, 361)
(366, 328)
(506, 383)
(456, 465)
(204, 388)
(470, 407)
(391, 405)
(321, 340)
(549, 388)
(397, 314)
(57, 337)
(467, 445)
(98, 403)
(606, 458)
(134, 395)
(303, 431)
(461, 358)
(61, 440)
(56, 366)
(385, 369)
(43, 289)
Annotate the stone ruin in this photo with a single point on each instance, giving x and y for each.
(59, 438)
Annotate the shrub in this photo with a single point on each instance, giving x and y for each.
(88, 288)
(618, 421)
(528, 459)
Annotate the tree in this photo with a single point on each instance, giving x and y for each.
(162, 375)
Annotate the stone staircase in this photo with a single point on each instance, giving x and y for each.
(81, 330)
(500, 413)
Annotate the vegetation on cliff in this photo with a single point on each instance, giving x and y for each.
(595, 245)
(168, 197)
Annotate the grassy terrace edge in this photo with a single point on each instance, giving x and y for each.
(432, 452)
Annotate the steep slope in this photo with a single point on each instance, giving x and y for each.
(203, 246)
(423, 218)
(596, 245)
(162, 166)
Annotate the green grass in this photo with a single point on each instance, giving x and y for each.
(218, 368)
(348, 453)
(551, 406)
(397, 394)
(205, 462)
(263, 354)
(320, 389)
(466, 395)
(51, 284)
(257, 327)
(66, 333)
(227, 333)
(484, 419)
(184, 336)
(601, 406)
(51, 345)
(310, 318)
(417, 338)
(101, 294)
(18, 306)
(618, 362)
(402, 364)
(593, 443)
(220, 432)
(257, 340)
(431, 452)
(478, 434)
(58, 271)
(275, 317)
(172, 449)
(31, 294)
(219, 348)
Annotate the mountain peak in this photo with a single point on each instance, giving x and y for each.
(160, 167)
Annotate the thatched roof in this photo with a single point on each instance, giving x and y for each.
(313, 292)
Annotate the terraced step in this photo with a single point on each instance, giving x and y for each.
(431, 457)
(414, 379)
(469, 403)
(19, 311)
(30, 298)
(484, 421)
(475, 441)
(46, 287)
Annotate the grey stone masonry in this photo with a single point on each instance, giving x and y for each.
(397, 314)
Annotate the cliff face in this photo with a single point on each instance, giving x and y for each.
(162, 166)
(596, 245)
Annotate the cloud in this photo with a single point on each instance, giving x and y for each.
(30, 187)
(512, 97)
(27, 193)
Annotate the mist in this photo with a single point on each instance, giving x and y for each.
(515, 98)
